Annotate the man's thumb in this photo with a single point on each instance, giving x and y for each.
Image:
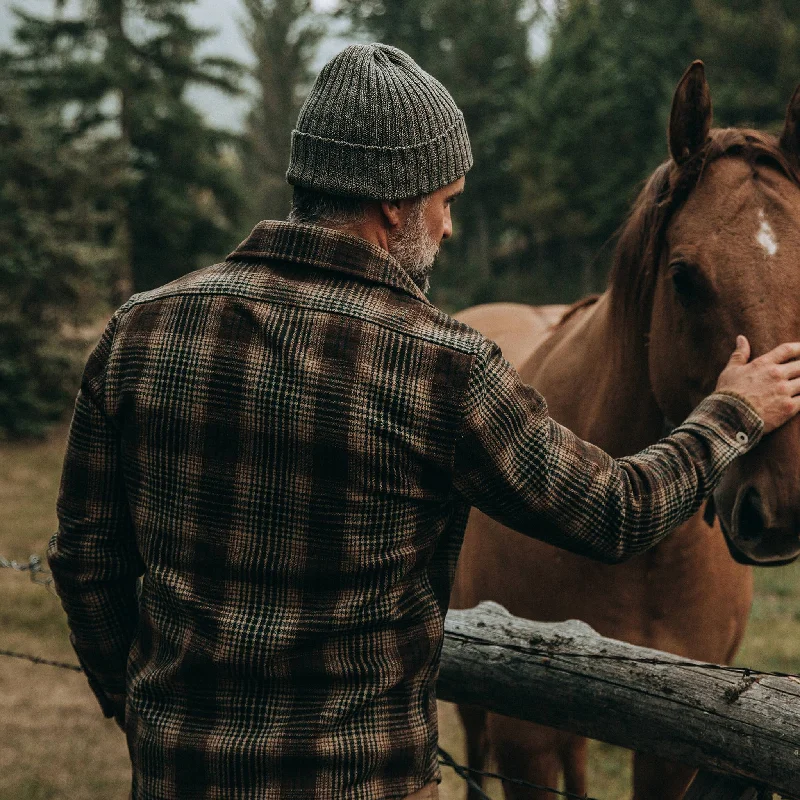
(741, 355)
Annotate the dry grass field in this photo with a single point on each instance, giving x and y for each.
(54, 743)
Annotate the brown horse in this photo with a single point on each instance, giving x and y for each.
(710, 250)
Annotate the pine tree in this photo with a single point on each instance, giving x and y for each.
(596, 127)
(58, 238)
(411, 25)
(111, 83)
(752, 51)
(283, 36)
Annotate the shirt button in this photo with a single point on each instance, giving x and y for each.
(742, 437)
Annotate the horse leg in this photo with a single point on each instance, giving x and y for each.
(573, 757)
(536, 754)
(474, 721)
(657, 779)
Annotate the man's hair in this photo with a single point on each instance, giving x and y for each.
(313, 207)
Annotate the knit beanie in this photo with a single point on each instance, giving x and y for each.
(377, 125)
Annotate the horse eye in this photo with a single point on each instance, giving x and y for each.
(683, 281)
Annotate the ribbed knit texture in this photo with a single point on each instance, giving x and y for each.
(377, 125)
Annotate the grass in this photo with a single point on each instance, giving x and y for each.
(54, 742)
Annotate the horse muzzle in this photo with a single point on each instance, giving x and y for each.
(751, 533)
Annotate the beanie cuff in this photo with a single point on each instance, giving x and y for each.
(380, 172)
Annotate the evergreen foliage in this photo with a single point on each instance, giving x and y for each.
(120, 72)
(110, 180)
(58, 236)
(752, 49)
(283, 36)
(596, 115)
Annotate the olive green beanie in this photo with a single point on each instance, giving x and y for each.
(377, 125)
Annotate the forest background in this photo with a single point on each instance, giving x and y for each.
(113, 179)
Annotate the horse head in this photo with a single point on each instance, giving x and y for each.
(711, 250)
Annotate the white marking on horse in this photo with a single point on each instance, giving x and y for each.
(766, 236)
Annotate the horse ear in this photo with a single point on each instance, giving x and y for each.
(690, 117)
(790, 138)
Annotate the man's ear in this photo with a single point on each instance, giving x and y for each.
(392, 213)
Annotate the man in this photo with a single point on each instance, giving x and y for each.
(285, 447)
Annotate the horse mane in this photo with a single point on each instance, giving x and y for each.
(641, 237)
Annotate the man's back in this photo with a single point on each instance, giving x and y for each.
(288, 440)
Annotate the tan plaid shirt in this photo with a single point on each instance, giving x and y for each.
(285, 448)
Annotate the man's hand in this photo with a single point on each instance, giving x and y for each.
(770, 383)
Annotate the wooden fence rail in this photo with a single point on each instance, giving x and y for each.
(567, 676)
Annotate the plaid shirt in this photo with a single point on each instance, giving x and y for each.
(285, 448)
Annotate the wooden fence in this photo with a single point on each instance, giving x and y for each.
(742, 728)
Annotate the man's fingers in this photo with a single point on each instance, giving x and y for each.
(794, 387)
(778, 418)
(791, 370)
(783, 353)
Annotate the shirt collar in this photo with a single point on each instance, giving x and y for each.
(326, 249)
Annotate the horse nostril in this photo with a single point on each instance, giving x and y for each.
(751, 515)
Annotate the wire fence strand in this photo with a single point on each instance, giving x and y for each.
(37, 660)
(446, 760)
(38, 574)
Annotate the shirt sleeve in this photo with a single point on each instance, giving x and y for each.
(93, 556)
(519, 466)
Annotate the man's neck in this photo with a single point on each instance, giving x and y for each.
(371, 229)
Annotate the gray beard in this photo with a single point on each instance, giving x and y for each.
(414, 249)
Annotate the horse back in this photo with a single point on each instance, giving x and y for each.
(517, 328)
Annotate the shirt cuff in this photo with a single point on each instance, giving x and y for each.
(731, 417)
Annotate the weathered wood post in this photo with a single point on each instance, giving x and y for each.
(567, 676)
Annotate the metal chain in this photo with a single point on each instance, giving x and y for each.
(446, 760)
(34, 567)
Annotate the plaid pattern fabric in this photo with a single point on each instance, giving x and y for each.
(285, 448)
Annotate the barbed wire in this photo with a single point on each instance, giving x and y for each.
(34, 568)
(37, 660)
(39, 575)
(446, 760)
(466, 773)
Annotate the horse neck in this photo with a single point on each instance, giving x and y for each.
(597, 384)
